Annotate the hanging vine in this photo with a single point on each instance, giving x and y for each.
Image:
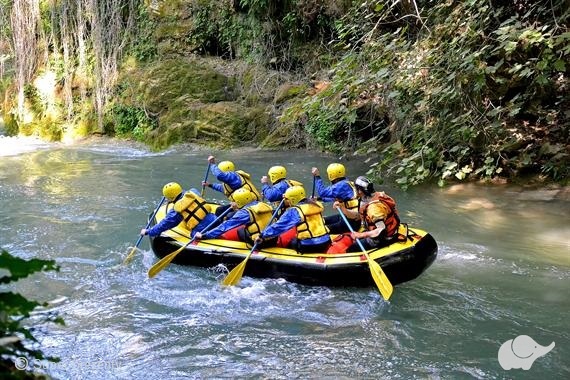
(110, 33)
(24, 19)
(75, 39)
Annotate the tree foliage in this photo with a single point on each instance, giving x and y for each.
(16, 339)
(456, 89)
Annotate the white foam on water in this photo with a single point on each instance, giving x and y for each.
(13, 146)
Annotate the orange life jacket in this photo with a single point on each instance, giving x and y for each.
(392, 220)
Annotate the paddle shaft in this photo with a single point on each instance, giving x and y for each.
(382, 281)
(313, 192)
(162, 263)
(235, 275)
(150, 220)
(205, 179)
(349, 227)
(128, 258)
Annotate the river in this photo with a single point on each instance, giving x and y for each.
(503, 270)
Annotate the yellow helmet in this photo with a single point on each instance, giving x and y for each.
(276, 173)
(171, 191)
(335, 171)
(243, 196)
(226, 166)
(295, 194)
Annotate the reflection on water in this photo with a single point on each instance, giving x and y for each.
(503, 270)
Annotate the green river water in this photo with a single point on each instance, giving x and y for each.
(503, 270)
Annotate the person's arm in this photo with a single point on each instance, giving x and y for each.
(350, 214)
(377, 213)
(273, 193)
(380, 226)
(325, 192)
(232, 179)
(216, 186)
(171, 220)
(241, 217)
(288, 220)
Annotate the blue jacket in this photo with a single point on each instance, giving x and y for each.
(288, 220)
(339, 190)
(241, 217)
(275, 193)
(232, 179)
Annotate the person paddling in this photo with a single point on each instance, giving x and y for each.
(307, 216)
(230, 181)
(279, 183)
(378, 214)
(250, 218)
(183, 206)
(340, 190)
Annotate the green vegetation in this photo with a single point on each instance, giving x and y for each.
(469, 89)
(16, 339)
(424, 90)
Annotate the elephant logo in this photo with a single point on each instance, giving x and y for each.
(521, 352)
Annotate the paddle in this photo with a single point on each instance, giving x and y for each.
(235, 275)
(131, 254)
(163, 263)
(313, 192)
(205, 179)
(380, 278)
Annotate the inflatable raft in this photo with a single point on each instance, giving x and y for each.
(401, 261)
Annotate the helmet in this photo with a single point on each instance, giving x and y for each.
(336, 171)
(364, 184)
(171, 190)
(226, 166)
(243, 196)
(295, 194)
(276, 173)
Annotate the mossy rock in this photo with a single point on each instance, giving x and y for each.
(285, 135)
(288, 91)
(172, 82)
(224, 124)
(177, 29)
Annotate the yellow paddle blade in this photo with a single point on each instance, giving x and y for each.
(235, 275)
(380, 278)
(130, 256)
(163, 263)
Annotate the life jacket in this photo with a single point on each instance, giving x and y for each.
(312, 222)
(245, 182)
(392, 220)
(193, 209)
(351, 204)
(259, 218)
(292, 182)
